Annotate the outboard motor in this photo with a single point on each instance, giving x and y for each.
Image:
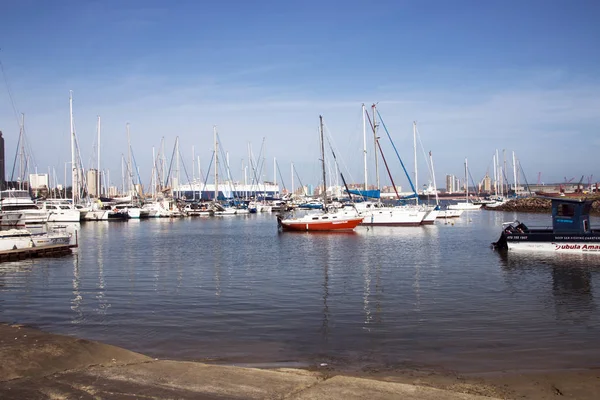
(501, 244)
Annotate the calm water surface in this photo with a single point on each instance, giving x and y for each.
(235, 290)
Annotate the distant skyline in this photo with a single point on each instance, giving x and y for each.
(476, 76)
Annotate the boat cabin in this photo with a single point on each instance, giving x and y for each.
(571, 215)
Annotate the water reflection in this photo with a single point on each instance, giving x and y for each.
(571, 280)
(77, 299)
(236, 290)
(100, 294)
(325, 324)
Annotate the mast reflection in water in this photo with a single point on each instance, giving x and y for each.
(237, 290)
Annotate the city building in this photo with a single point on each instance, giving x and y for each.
(487, 184)
(449, 183)
(92, 182)
(39, 184)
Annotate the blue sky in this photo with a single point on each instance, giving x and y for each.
(477, 76)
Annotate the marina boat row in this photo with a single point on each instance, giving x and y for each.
(331, 218)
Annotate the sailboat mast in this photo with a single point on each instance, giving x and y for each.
(364, 118)
(466, 182)
(497, 163)
(98, 189)
(437, 202)
(163, 165)
(375, 148)
(216, 163)
(495, 176)
(323, 162)
(177, 176)
(74, 178)
(292, 170)
(123, 173)
(129, 169)
(415, 154)
(153, 174)
(193, 164)
(21, 152)
(504, 181)
(514, 172)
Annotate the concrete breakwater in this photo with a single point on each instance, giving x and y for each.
(537, 204)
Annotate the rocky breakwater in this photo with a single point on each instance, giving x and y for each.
(538, 205)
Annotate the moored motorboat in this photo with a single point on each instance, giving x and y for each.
(60, 211)
(570, 232)
(13, 239)
(17, 209)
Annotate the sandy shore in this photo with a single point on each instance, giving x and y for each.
(39, 365)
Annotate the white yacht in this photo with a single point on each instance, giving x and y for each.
(465, 206)
(378, 214)
(17, 209)
(60, 211)
(13, 239)
(133, 211)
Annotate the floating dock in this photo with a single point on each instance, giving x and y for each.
(56, 250)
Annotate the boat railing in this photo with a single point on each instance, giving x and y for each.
(517, 226)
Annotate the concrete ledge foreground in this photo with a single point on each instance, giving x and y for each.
(37, 365)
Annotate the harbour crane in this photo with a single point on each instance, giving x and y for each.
(579, 187)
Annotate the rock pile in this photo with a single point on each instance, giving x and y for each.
(537, 204)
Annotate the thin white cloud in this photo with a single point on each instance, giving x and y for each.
(454, 123)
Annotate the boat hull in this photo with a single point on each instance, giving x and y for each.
(430, 217)
(464, 206)
(394, 218)
(348, 224)
(550, 242)
(556, 247)
(96, 215)
(450, 213)
(64, 216)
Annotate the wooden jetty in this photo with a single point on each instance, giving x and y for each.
(56, 250)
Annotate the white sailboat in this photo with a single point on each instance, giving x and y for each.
(376, 213)
(328, 219)
(431, 211)
(466, 205)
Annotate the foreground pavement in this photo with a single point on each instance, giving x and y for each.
(38, 365)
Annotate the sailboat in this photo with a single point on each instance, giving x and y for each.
(326, 220)
(431, 211)
(467, 205)
(375, 213)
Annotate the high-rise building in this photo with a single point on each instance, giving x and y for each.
(39, 183)
(487, 184)
(92, 182)
(449, 183)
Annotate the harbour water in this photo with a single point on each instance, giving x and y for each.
(235, 290)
